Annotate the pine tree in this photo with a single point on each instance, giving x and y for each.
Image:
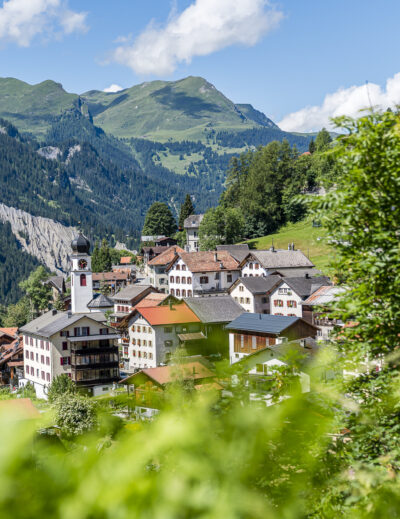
(96, 267)
(187, 209)
(311, 146)
(105, 262)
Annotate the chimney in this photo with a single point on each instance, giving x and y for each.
(215, 257)
(54, 312)
(69, 314)
(221, 265)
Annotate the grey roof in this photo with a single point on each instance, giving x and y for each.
(239, 252)
(100, 301)
(264, 323)
(281, 258)
(58, 282)
(260, 284)
(193, 221)
(49, 323)
(130, 292)
(214, 309)
(304, 287)
(299, 272)
(325, 295)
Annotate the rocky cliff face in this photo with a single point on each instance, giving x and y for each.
(44, 238)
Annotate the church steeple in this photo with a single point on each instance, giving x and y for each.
(81, 275)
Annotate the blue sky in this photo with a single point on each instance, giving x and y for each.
(313, 48)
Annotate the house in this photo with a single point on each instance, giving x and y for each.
(191, 226)
(7, 336)
(78, 343)
(113, 281)
(260, 368)
(265, 262)
(288, 296)
(100, 303)
(319, 304)
(198, 273)
(126, 299)
(239, 252)
(214, 312)
(253, 293)
(252, 332)
(156, 268)
(153, 333)
(126, 266)
(57, 284)
(150, 384)
(12, 362)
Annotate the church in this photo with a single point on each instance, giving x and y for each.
(79, 342)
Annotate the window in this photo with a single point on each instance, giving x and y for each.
(37, 357)
(178, 267)
(292, 304)
(242, 300)
(103, 331)
(145, 343)
(183, 281)
(203, 280)
(145, 354)
(65, 345)
(183, 293)
(139, 354)
(134, 342)
(133, 328)
(77, 332)
(178, 292)
(189, 281)
(43, 375)
(31, 341)
(229, 278)
(42, 345)
(171, 279)
(48, 377)
(26, 339)
(27, 370)
(138, 342)
(42, 359)
(292, 315)
(264, 300)
(47, 361)
(256, 266)
(26, 354)
(236, 299)
(83, 280)
(32, 355)
(47, 346)
(248, 300)
(168, 344)
(241, 288)
(167, 329)
(172, 292)
(178, 280)
(278, 302)
(251, 266)
(134, 353)
(37, 373)
(64, 333)
(85, 331)
(183, 267)
(189, 292)
(150, 355)
(216, 275)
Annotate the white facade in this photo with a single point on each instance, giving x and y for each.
(150, 346)
(252, 268)
(183, 283)
(81, 283)
(192, 239)
(158, 277)
(253, 303)
(46, 358)
(284, 301)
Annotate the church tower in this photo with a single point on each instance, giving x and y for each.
(81, 275)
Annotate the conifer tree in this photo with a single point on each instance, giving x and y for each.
(187, 209)
(159, 221)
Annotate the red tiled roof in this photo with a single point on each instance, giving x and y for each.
(166, 257)
(9, 331)
(209, 261)
(166, 374)
(125, 260)
(153, 299)
(164, 315)
(110, 276)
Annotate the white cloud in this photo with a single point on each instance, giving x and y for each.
(22, 20)
(345, 101)
(113, 88)
(206, 26)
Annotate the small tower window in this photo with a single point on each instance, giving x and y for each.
(83, 280)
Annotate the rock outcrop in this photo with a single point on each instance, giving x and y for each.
(47, 240)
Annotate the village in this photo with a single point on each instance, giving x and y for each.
(251, 308)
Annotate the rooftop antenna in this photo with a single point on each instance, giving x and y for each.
(369, 97)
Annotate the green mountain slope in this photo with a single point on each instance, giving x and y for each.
(32, 107)
(160, 110)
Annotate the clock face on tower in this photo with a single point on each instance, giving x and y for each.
(82, 264)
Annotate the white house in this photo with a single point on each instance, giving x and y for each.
(78, 343)
(191, 226)
(253, 293)
(156, 268)
(288, 296)
(264, 262)
(198, 273)
(153, 334)
(319, 303)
